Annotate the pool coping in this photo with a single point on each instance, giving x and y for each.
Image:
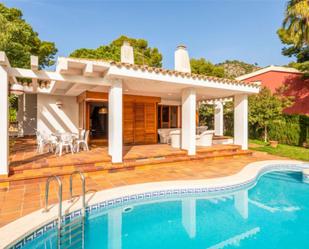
(29, 226)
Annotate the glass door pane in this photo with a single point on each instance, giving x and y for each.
(173, 117)
(165, 116)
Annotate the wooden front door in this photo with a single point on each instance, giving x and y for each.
(140, 120)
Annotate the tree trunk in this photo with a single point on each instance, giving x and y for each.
(265, 134)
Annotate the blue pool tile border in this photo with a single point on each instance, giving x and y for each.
(153, 195)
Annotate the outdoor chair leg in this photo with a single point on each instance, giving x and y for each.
(57, 149)
(41, 149)
(50, 148)
(60, 150)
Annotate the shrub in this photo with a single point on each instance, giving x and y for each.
(289, 129)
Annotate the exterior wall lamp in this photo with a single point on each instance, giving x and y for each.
(17, 89)
(59, 104)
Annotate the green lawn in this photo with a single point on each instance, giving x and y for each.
(293, 152)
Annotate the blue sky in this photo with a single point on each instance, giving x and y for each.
(216, 30)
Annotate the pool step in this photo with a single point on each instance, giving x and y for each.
(72, 234)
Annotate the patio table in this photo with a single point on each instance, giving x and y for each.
(59, 135)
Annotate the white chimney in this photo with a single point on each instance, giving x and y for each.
(127, 55)
(182, 60)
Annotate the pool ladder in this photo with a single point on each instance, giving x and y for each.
(71, 234)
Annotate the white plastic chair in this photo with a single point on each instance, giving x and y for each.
(43, 140)
(83, 140)
(164, 136)
(66, 141)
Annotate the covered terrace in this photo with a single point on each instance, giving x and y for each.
(118, 81)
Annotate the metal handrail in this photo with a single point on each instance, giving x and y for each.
(59, 196)
(82, 177)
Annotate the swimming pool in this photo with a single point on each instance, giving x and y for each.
(269, 213)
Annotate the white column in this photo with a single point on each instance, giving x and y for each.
(241, 120)
(218, 118)
(115, 121)
(114, 229)
(188, 208)
(188, 131)
(241, 203)
(4, 124)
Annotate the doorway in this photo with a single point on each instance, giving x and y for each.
(98, 121)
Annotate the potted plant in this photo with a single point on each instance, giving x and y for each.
(273, 143)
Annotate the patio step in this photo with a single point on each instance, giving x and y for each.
(60, 162)
(129, 164)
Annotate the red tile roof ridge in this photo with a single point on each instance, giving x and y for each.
(171, 72)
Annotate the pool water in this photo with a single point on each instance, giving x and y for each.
(274, 214)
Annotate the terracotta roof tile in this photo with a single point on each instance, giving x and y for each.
(163, 71)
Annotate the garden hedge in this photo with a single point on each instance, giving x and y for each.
(290, 129)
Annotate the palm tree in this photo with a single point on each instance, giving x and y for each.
(296, 22)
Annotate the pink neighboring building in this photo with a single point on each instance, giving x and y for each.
(291, 82)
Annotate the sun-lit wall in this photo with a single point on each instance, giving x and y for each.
(51, 118)
(292, 84)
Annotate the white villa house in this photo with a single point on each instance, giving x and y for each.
(121, 102)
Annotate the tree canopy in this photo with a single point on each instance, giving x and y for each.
(295, 33)
(143, 55)
(235, 68)
(18, 40)
(202, 66)
(264, 108)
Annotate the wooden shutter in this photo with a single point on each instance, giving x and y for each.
(128, 122)
(139, 120)
(139, 132)
(150, 123)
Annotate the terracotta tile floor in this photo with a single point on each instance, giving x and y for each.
(23, 197)
(25, 163)
(23, 154)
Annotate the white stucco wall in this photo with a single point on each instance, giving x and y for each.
(51, 118)
(170, 102)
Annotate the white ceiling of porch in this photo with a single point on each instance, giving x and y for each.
(141, 87)
(169, 91)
